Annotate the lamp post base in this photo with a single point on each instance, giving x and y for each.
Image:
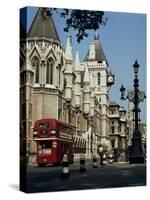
(135, 152)
(136, 159)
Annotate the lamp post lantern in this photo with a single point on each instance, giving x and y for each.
(136, 96)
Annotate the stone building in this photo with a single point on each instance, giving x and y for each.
(55, 85)
(118, 131)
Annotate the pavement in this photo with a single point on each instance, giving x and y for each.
(48, 179)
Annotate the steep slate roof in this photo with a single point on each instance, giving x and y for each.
(99, 53)
(43, 26)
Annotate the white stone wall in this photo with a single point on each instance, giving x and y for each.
(45, 96)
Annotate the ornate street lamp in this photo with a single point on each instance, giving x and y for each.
(136, 96)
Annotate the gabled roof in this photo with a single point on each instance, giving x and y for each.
(43, 26)
(99, 53)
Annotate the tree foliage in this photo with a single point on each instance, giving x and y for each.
(81, 20)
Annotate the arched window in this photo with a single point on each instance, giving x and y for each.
(35, 64)
(98, 78)
(49, 71)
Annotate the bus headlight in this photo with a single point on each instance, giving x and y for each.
(53, 132)
(35, 133)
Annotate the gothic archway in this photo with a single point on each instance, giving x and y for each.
(36, 65)
(49, 71)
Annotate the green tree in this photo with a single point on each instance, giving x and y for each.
(80, 20)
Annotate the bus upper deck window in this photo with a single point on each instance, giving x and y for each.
(44, 125)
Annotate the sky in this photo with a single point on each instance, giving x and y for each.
(123, 39)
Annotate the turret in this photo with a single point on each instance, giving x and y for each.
(78, 81)
(86, 93)
(98, 65)
(68, 70)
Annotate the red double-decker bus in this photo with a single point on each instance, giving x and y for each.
(54, 139)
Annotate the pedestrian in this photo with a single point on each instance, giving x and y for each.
(101, 151)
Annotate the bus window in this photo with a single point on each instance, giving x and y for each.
(45, 144)
(44, 125)
(45, 147)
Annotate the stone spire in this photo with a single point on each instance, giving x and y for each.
(95, 52)
(43, 25)
(68, 51)
(77, 62)
(68, 70)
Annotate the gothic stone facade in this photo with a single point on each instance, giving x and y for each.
(55, 85)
